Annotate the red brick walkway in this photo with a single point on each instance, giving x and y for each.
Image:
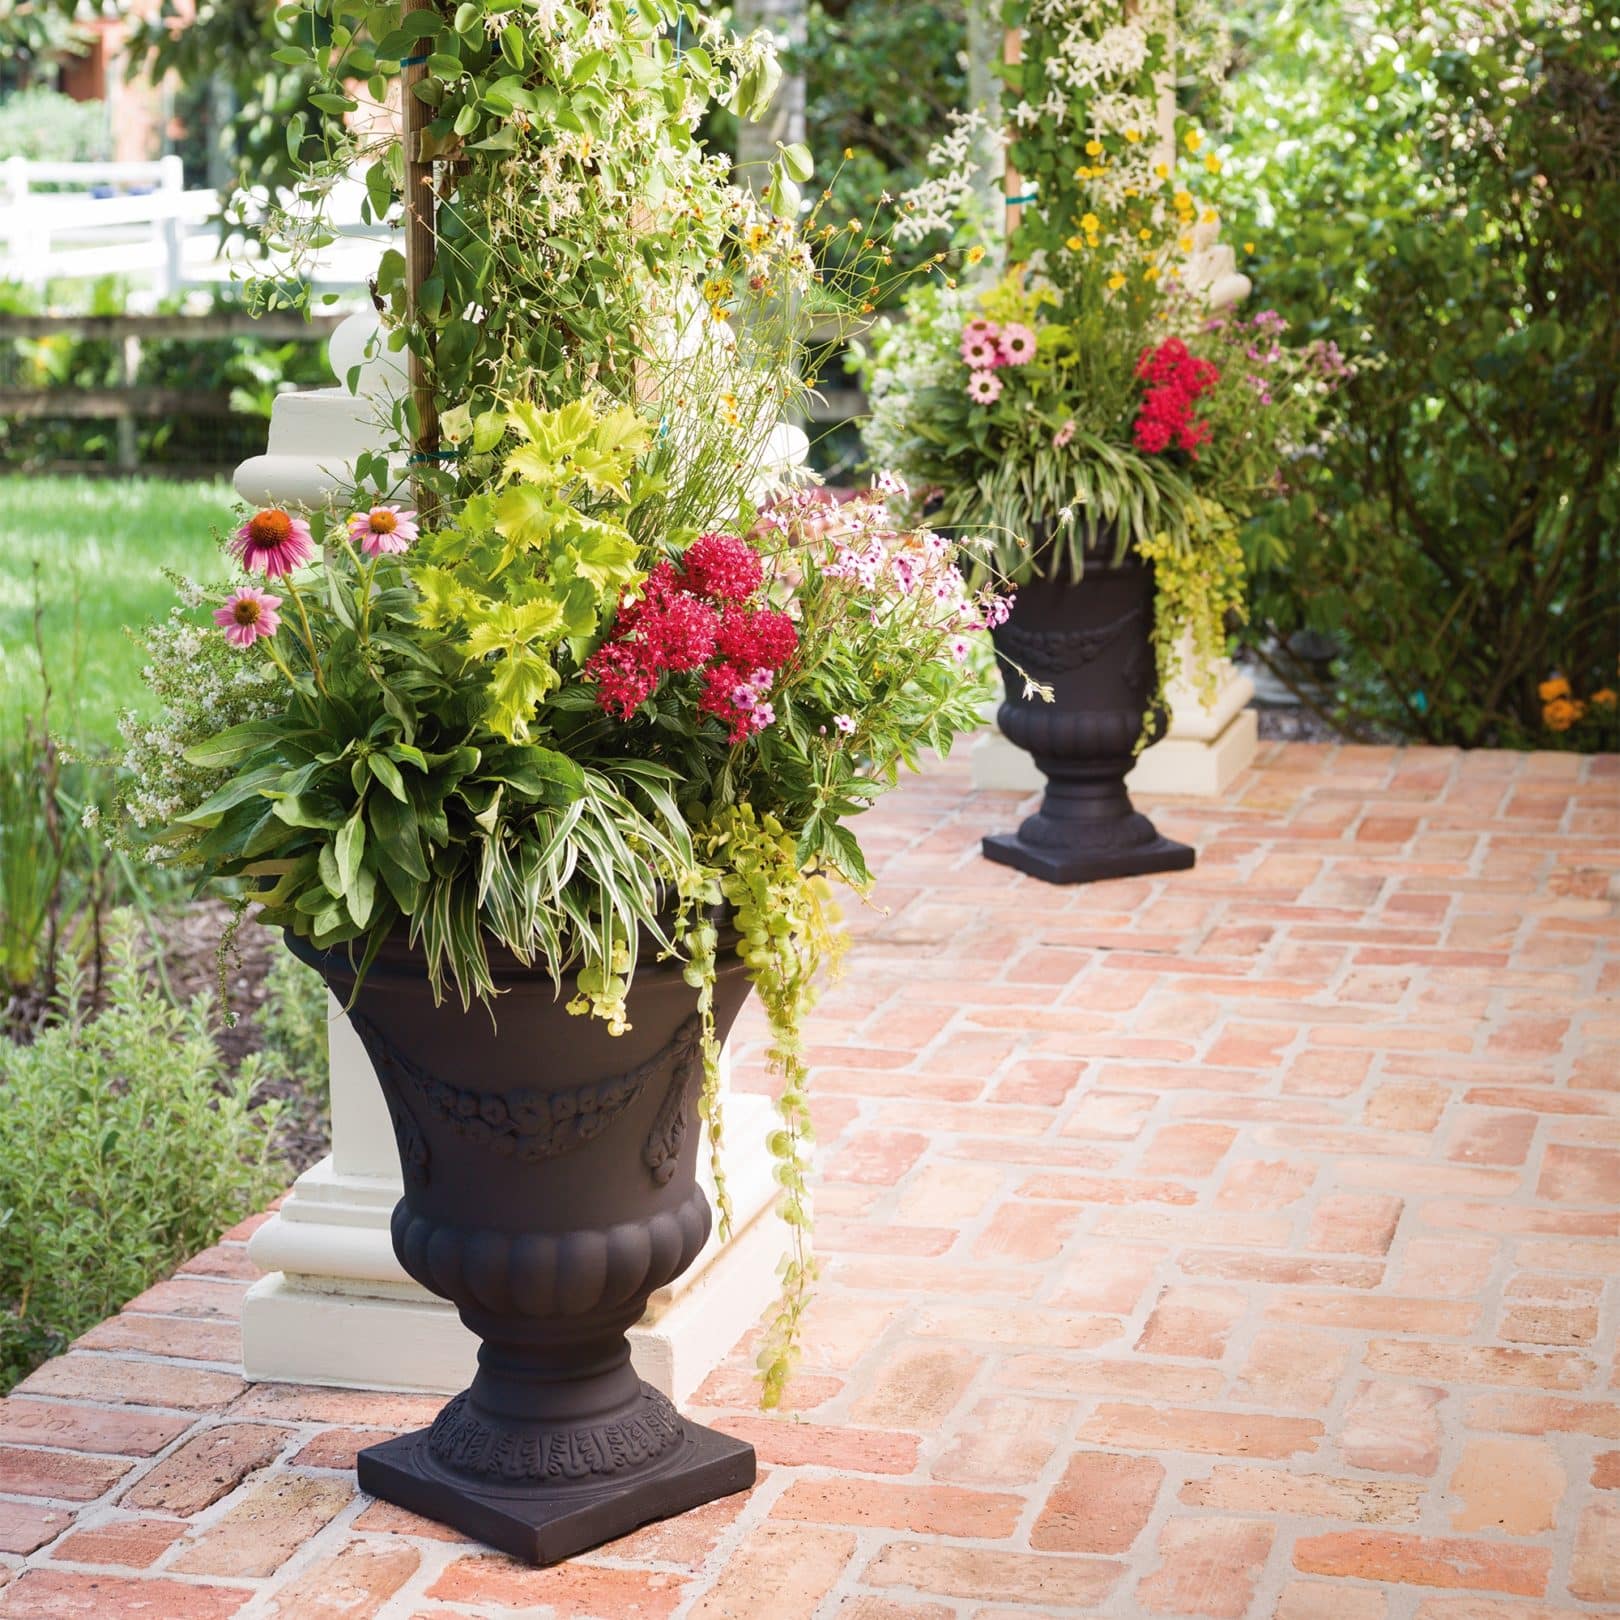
(1241, 1244)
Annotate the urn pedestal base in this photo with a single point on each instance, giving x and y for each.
(544, 1527)
(1073, 864)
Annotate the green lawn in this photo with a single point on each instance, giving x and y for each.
(101, 547)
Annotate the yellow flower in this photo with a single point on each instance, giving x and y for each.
(1133, 136)
(1212, 163)
(1183, 201)
(1210, 216)
(1561, 714)
(1185, 244)
(1605, 698)
(1145, 234)
(1551, 691)
(849, 153)
(1151, 273)
(1193, 139)
(1074, 244)
(1248, 247)
(1094, 148)
(1115, 282)
(1162, 170)
(975, 254)
(1089, 223)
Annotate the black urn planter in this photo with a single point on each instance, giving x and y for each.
(550, 1189)
(1090, 642)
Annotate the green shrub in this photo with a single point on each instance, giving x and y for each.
(125, 1146)
(292, 1024)
(48, 127)
(1437, 187)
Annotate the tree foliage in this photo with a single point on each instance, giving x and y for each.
(1440, 193)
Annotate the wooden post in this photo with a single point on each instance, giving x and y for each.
(420, 253)
(1012, 185)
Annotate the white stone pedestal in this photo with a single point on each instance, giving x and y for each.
(336, 1308)
(1200, 755)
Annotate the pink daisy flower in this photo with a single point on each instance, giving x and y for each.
(1017, 344)
(273, 543)
(979, 327)
(1064, 437)
(247, 615)
(384, 529)
(980, 352)
(984, 388)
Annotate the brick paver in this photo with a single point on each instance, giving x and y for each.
(1240, 1244)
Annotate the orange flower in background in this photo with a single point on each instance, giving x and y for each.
(1605, 698)
(1561, 713)
(1551, 691)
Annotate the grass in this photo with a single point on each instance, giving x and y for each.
(101, 548)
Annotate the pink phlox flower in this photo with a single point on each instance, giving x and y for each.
(891, 483)
(844, 723)
(383, 530)
(247, 615)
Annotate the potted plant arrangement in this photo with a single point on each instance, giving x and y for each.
(548, 765)
(1092, 411)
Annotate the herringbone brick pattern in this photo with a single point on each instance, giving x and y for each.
(1237, 1244)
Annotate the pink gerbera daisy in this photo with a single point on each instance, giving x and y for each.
(273, 543)
(383, 529)
(984, 388)
(1017, 344)
(247, 615)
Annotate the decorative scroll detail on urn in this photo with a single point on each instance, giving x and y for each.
(663, 1147)
(1057, 652)
(462, 1440)
(392, 1070)
(528, 1123)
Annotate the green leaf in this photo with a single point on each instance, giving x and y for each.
(387, 772)
(796, 159)
(350, 850)
(235, 744)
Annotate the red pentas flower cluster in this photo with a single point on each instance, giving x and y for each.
(1175, 378)
(697, 618)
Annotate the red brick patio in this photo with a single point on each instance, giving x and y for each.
(1238, 1244)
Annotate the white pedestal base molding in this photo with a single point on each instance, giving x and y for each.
(337, 1309)
(1200, 755)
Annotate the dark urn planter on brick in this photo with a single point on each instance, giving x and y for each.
(1090, 642)
(550, 1189)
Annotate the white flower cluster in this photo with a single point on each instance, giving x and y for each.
(202, 687)
(937, 203)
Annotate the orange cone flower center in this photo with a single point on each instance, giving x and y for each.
(247, 611)
(383, 521)
(272, 528)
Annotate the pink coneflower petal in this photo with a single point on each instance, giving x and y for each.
(984, 388)
(247, 615)
(1017, 343)
(384, 530)
(1064, 437)
(980, 353)
(273, 543)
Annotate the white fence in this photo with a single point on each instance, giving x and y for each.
(119, 218)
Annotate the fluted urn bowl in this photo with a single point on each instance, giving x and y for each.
(551, 1188)
(1089, 641)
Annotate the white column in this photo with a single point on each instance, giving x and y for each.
(335, 1307)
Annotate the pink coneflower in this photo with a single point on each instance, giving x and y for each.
(1018, 344)
(273, 543)
(1064, 437)
(247, 615)
(383, 529)
(980, 327)
(980, 352)
(984, 388)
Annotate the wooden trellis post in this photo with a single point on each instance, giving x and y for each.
(420, 256)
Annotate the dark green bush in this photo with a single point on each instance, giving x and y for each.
(1437, 187)
(125, 1146)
